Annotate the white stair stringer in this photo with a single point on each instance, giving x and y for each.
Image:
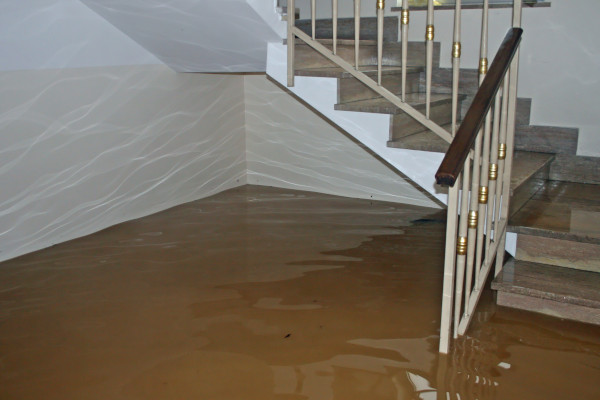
(372, 130)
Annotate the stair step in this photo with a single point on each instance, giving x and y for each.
(383, 106)
(402, 124)
(422, 141)
(529, 172)
(563, 210)
(571, 168)
(546, 139)
(368, 28)
(307, 57)
(560, 292)
(560, 225)
(370, 70)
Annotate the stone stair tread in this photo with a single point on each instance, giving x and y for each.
(347, 42)
(368, 27)
(383, 106)
(561, 210)
(422, 141)
(527, 164)
(338, 72)
(564, 285)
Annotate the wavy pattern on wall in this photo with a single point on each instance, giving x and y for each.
(290, 146)
(84, 149)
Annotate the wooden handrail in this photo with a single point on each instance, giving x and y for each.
(459, 149)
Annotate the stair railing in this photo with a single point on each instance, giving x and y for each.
(477, 166)
(479, 186)
(375, 85)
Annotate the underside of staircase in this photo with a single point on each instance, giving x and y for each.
(555, 194)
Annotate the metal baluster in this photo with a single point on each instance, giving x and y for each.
(476, 195)
(313, 18)
(461, 245)
(291, 18)
(501, 147)
(380, 12)
(356, 32)
(449, 268)
(405, 19)
(429, 36)
(493, 176)
(483, 184)
(456, 50)
(334, 12)
(483, 200)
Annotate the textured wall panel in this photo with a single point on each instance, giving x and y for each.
(290, 146)
(83, 149)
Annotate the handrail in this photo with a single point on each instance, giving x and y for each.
(459, 149)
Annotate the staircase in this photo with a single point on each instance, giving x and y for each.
(555, 195)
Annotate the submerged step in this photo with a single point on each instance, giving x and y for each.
(560, 225)
(560, 292)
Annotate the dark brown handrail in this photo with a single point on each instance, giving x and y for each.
(459, 149)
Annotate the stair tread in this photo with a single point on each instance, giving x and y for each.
(561, 210)
(525, 165)
(549, 282)
(347, 42)
(395, 46)
(422, 141)
(383, 106)
(368, 27)
(338, 72)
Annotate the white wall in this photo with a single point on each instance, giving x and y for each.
(94, 130)
(84, 149)
(290, 146)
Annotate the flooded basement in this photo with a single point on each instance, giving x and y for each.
(263, 293)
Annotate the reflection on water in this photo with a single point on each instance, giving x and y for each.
(288, 296)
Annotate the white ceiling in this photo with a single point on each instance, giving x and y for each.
(54, 34)
(197, 35)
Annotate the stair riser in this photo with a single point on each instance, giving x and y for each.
(562, 253)
(402, 125)
(307, 57)
(350, 89)
(546, 139)
(549, 307)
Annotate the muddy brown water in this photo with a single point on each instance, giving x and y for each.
(262, 293)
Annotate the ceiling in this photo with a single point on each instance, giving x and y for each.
(196, 35)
